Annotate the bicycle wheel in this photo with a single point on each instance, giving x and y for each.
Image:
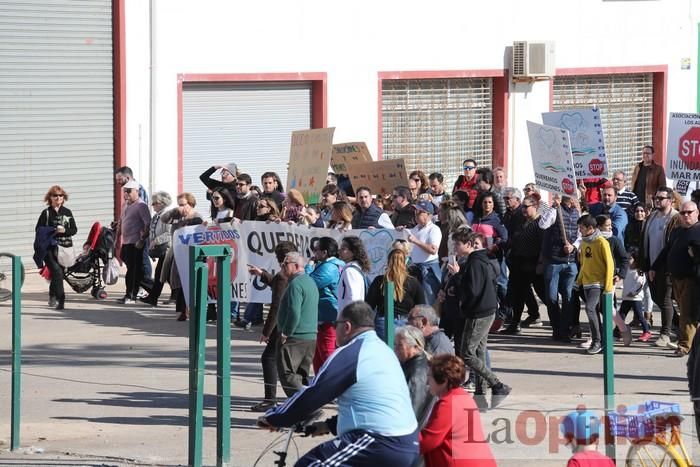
(652, 455)
(6, 276)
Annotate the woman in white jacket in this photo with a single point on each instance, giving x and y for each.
(353, 280)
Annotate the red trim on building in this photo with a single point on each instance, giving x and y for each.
(119, 95)
(319, 98)
(500, 104)
(660, 91)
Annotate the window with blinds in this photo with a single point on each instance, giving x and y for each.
(434, 124)
(625, 102)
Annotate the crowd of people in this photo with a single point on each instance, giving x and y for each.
(473, 261)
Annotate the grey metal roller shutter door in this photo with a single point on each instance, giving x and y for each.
(248, 123)
(56, 114)
(434, 123)
(626, 103)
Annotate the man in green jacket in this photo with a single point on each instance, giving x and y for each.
(297, 322)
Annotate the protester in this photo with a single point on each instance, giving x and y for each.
(407, 290)
(418, 184)
(609, 206)
(159, 243)
(404, 211)
(311, 217)
(437, 192)
(374, 407)
(246, 199)
(297, 322)
(633, 286)
(329, 195)
(59, 227)
(270, 334)
(426, 238)
(499, 180)
(267, 210)
(450, 219)
(446, 439)
(485, 187)
(341, 216)
(489, 224)
(181, 216)
(424, 318)
(293, 206)
(354, 284)
(324, 268)
(135, 221)
(122, 176)
(625, 198)
(409, 346)
(467, 182)
(648, 176)
(581, 430)
(223, 206)
(635, 227)
(272, 187)
(228, 173)
(368, 215)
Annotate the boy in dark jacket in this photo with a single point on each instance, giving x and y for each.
(478, 305)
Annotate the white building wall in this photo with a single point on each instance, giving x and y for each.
(352, 42)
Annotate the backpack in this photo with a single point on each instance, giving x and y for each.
(364, 276)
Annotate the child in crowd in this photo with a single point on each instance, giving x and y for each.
(581, 430)
(633, 294)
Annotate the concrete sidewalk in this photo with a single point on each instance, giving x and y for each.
(107, 384)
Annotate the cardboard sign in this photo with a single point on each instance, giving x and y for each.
(552, 159)
(345, 154)
(309, 158)
(683, 151)
(586, 134)
(380, 176)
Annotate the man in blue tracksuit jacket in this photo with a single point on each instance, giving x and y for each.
(375, 424)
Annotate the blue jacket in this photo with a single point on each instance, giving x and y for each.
(618, 217)
(366, 378)
(326, 275)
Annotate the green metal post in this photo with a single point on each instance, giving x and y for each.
(198, 305)
(223, 359)
(389, 313)
(16, 350)
(608, 370)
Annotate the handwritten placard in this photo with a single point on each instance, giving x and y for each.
(551, 158)
(380, 176)
(309, 158)
(345, 154)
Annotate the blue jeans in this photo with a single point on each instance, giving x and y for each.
(559, 280)
(380, 325)
(431, 277)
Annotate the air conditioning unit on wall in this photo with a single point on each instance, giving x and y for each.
(532, 60)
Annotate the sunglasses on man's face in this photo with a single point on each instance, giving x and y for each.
(469, 167)
(56, 195)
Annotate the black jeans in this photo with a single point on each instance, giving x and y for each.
(269, 366)
(519, 281)
(56, 286)
(133, 259)
(662, 294)
(155, 292)
(472, 347)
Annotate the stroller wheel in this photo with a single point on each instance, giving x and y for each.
(101, 294)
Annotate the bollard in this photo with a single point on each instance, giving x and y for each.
(389, 313)
(608, 370)
(198, 306)
(16, 351)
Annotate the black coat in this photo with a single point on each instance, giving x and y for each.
(416, 372)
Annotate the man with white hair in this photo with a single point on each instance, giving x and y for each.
(297, 322)
(625, 198)
(424, 318)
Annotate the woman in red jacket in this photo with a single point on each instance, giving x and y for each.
(448, 441)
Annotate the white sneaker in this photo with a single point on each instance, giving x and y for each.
(662, 341)
(585, 344)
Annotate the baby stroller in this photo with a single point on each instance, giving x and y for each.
(87, 271)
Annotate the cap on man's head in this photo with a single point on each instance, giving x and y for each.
(232, 167)
(131, 184)
(425, 206)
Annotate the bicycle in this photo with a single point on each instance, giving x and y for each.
(6, 276)
(306, 427)
(647, 427)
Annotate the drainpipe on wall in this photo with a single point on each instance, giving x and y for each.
(151, 99)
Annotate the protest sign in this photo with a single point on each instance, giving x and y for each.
(345, 154)
(309, 157)
(199, 235)
(683, 151)
(551, 158)
(255, 245)
(380, 176)
(586, 135)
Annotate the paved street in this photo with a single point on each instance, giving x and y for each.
(107, 384)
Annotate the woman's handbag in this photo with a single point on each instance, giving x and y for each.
(66, 256)
(158, 251)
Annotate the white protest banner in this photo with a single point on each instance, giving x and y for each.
(551, 158)
(200, 235)
(683, 151)
(309, 157)
(256, 243)
(345, 154)
(586, 134)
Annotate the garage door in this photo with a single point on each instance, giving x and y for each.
(248, 123)
(55, 114)
(626, 106)
(434, 124)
